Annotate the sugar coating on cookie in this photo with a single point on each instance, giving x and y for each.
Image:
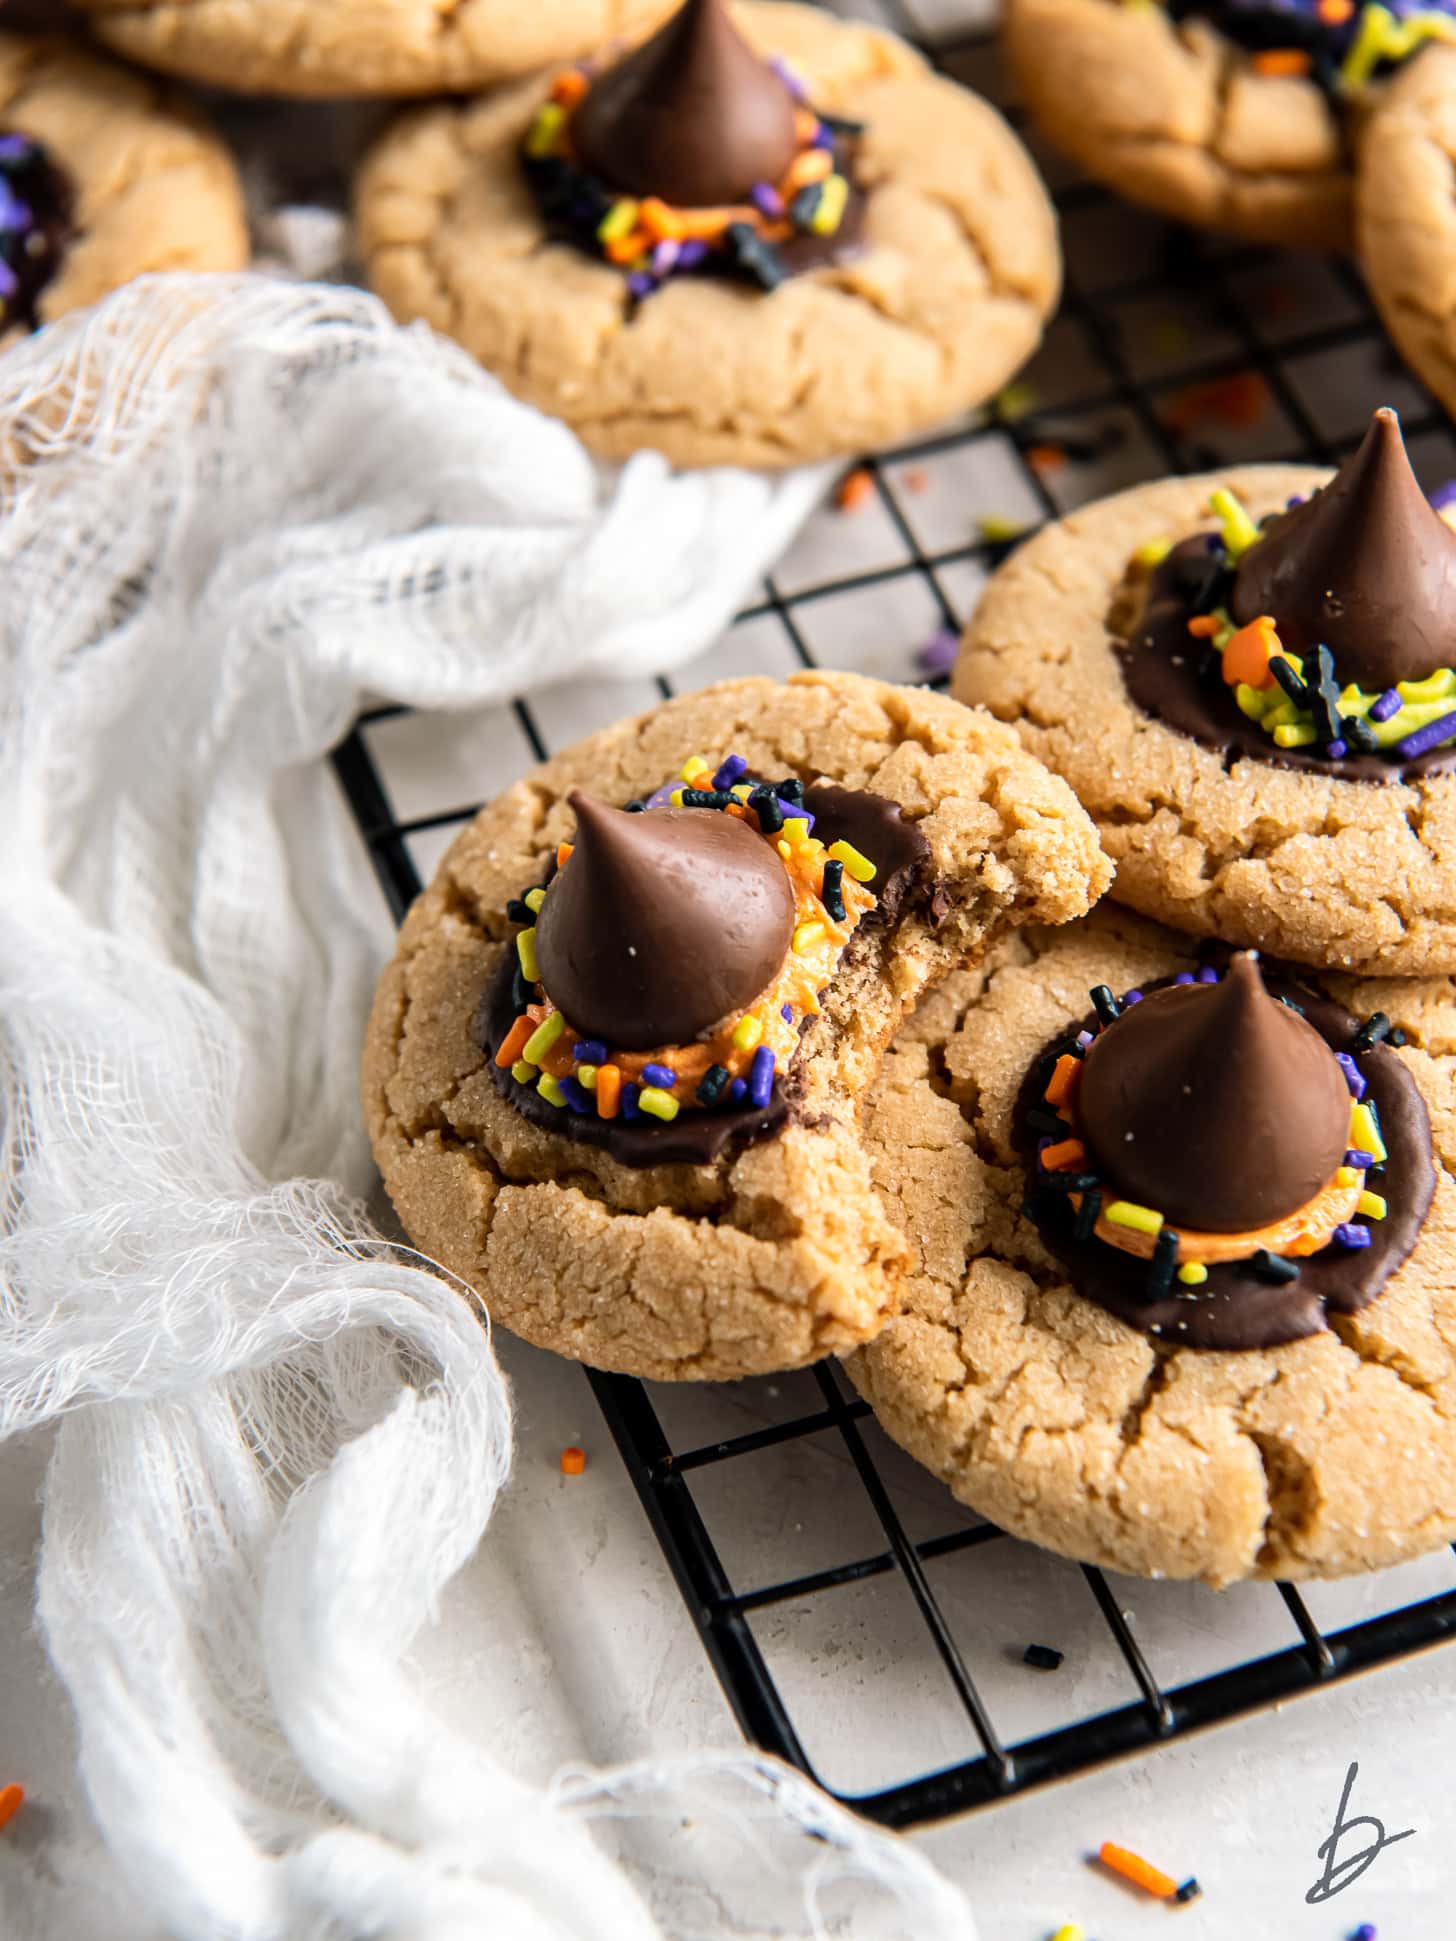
(707, 1237)
(899, 268)
(1087, 1433)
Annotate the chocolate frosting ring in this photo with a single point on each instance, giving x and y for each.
(1234, 1308)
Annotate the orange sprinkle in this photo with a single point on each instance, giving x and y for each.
(1140, 1872)
(514, 1042)
(1063, 1081)
(1336, 12)
(1281, 61)
(1046, 458)
(1203, 626)
(662, 223)
(810, 166)
(806, 125)
(915, 479)
(568, 88)
(573, 1461)
(12, 1798)
(854, 488)
(609, 1090)
(706, 225)
(1249, 652)
(626, 249)
(1063, 1157)
(563, 850)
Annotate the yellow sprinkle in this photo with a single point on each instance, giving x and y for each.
(544, 1037)
(526, 951)
(546, 126)
(1153, 552)
(1295, 737)
(620, 220)
(586, 1076)
(807, 934)
(692, 768)
(784, 850)
(1193, 1273)
(550, 1091)
(1348, 1176)
(829, 210)
(748, 1031)
(662, 1105)
(1252, 700)
(523, 1071)
(1142, 1219)
(742, 790)
(1372, 1205)
(796, 831)
(1239, 530)
(676, 798)
(533, 899)
(1363, 1134)
(1068, 1931)
(1283, 714)
(859, 867)
(1436, 687)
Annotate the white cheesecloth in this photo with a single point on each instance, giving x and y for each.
(241, 507)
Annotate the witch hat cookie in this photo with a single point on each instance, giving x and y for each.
(613, 1076)
(693, 115)
(1253, 689)
(760, 237)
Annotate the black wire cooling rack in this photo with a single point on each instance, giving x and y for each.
(1143, 409)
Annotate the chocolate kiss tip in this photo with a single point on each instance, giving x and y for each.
(692, 116)
(1365, 566)
(1215, 1104)
(660, 925)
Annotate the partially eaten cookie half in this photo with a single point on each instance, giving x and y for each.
(613, 1076)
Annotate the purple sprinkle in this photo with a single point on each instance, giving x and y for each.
(1208, 975)
(9, 281)
(662, 1076)
(796, 810)
(1294, 499)
(1388, 704)
(628, 1101)
(1042, 1144)
(1357, 1156)
(1444, 495)
(15, 215)
(766, 199)
(641, 283)
(787, 75)
(1084, 1038)
(938, 654)
(665, 257)
(738, 1090)
(786, 1012)
(16, 148)
(1184, 977)
(1336, 750)
(1427, 738)
(1365, 1931)
(691, 253)
(1349, 1235)
(1132, 997)
(1354, 1077)
(823, 137)
(761, 1076)
(730, 770)
(589, 1051)
(662, 798)
(577, 1096)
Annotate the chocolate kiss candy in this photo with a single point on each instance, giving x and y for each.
(1215, 1104)
(660, 925)
(1364, 567)
(692, 115)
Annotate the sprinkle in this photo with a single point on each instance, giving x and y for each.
(1139, 1871)
(1274, 1267)
(1085, 1038)
(729, 770)
(833, 199)
(587, 1075)
(533, 899)
(1131, 997)
(619, 221)
(1065, 1074)
(853, 489)
(792, 790)
(635, 807)
(514, 1042)
(1184, 977)
(712, 1085)
(703, 798)
(661, 1104)
(1203, 626)
(1281, 61)
(796, 826)
(1208, 975)
(1239, 530)
(523, 1073)
(662, 1076)
(573, 1460)
(995, 529)
(767, 200)
(577, 1096)
(937, 655)
(547, 125)
(761, 1076)
(1153, 552)
(767, 807)
(1125, 1213)
(550, 1091)
(641, 284)
(1297, 735)
(519, 911)
(1375, 1027)
(1042, 1121)
(608, 1091)
(1165, 1259)
(628, 1099)
(1365, 1131)
(1087, 1214)
(1358, 732)
(748, 1031)
(589, 1051)
(692, 768)
(859, 867)
(1069, 1931)
(1065, 1156)
(544, 1037)
(1347, 1235)
(1247, 656)
(1354, 1077)
(1425, 739)
(1372, 1205)
(1387, 705)
(738, 1090)
(1361, 1160)
(832, 891)
(1193, 1273)
(806, 935)
(1042, 1656)
(1190, 1890)
(750, 252)
(1105, 1004)
(1067, 1182)
(1365, 1932)
(1337, 750)
(12, 1798)
(526, 950)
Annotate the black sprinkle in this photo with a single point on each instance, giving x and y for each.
(841, 124)
(791, 790)
(519, 911)
(1039, 1207)
(805, 204)
(1087, 1215)
(1041, 1119)
(1043, 1656)
(770, 815)
(712, 1085)
(1293, 686)
(751, 253)
(1189, 1891)
(1324, 697)
(1375, 1027)
(1356, 730)
(1165, 1259)
(1274, 1267)
(1105, 1004)
(1070, 1182)
(636, 807)
(522, 993)
(1397, 1037)
(707, 798)
(833, 892)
